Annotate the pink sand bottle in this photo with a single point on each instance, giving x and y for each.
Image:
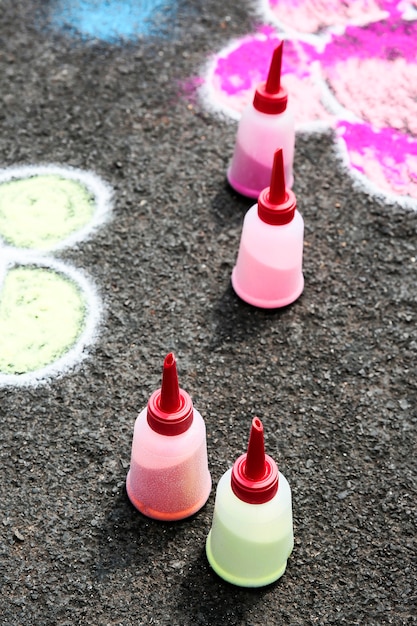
(251, 536)
(266, 124)
(169, 477)
(268, 271)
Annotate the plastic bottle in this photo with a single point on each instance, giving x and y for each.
(251, 536)
(266, 124)
(169, 477)
(268, 271)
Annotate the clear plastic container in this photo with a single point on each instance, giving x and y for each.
(169, 477)
(259, 135)
(249, 544)
(267, 124)
(251, 536)
(268, 271)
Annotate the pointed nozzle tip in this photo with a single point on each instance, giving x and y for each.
(276, 203)
(170, 409)
(254, 476)
(170, 392)
(273, 82)
(255, 457)
(277, 191)
(169, 360)
(270, 96)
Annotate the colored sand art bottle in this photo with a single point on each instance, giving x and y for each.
(268, 271)
(169, 477)
(251, 536)
(266, 124)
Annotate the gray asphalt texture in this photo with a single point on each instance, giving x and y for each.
(333, 376)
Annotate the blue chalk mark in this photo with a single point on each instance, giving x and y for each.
(111, 20)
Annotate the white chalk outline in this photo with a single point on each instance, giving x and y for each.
(93, 318)
(101, 191)
(409, 12)
(14, 257)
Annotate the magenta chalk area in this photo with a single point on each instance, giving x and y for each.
(364, 73)
(386, 40)
(382, 155)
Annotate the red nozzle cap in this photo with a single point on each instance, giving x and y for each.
(170, 409)
(277, 204)
(270, 97)
(255, 474)
(170, 392)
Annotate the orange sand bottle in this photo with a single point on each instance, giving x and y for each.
(169, 477)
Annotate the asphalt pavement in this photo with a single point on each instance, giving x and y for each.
(333, 376)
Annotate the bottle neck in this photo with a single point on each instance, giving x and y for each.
(255, 491)
(276, 214)
(170, 424)
(270, 103)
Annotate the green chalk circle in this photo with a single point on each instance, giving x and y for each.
(42, 315)
(41, 210)
(49, 311)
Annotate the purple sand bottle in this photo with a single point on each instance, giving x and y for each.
(169, 477)
(251, 536)
(268, 271)
(266, 124)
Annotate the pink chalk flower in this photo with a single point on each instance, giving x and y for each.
(371, 73)
(314, 16)
(353, 68)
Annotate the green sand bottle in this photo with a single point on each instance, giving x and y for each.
(251, 536)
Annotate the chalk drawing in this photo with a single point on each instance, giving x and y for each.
(49, 310)
(112, 20)
(350, 67)
(315, 16)
(232, 74)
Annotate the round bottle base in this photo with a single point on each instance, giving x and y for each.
(248, 191)
(241, 581)
(166, 516)
(267, 303)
